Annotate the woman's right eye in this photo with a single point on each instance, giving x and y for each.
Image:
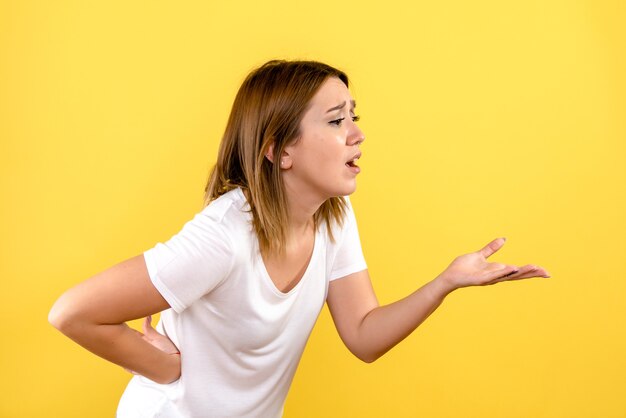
(336, 122)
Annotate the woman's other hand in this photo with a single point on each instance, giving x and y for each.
(161, 342)
(474, 270)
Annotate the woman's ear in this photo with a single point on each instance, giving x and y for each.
(285, 158)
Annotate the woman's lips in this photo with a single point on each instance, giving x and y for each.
(353, 167)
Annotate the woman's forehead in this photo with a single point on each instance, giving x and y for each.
(331, 95)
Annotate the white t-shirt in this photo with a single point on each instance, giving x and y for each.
(240, 337)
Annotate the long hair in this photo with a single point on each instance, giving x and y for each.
(269, 107)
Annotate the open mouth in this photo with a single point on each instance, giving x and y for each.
(352, 162)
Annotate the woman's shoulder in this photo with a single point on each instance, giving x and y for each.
(226, 207)
(222, 223)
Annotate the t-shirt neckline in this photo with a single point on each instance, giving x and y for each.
(268, 279)
(266, 276)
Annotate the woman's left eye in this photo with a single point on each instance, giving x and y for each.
(337, 122)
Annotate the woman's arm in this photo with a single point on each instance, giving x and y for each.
(94, 313)
(370, 330)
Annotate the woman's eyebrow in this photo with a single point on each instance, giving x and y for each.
(340, 106)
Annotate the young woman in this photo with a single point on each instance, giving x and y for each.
(243, 282)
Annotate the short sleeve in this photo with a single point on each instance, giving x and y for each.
(349, 255)
(192, 262)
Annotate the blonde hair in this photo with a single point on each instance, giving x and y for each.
(269, 107)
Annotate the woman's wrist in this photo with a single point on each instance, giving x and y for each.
(171, 369)
(444, 286)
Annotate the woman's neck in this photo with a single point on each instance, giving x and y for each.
(301, 209)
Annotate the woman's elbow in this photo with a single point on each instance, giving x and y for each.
(63, 314)
(366, 356)
(56, 316)
(368, 359)
(361, 349)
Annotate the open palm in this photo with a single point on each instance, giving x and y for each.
(473, 269)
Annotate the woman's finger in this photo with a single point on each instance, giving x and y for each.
(531, 270)
(492, 247)
(523, 270)
(147, 326)
(523, 273)
(528, 273)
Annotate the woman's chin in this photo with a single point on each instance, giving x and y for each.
(346, 191)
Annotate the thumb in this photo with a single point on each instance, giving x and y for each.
(147, 326)
(492, 247)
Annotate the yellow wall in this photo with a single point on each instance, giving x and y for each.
(483, 119)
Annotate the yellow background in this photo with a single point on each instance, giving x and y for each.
(483, 119)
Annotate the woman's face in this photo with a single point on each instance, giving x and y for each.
(321, 162)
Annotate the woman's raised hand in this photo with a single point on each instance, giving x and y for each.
(474, 270)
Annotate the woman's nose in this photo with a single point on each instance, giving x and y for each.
(357, 136)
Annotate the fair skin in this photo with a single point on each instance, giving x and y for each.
(314, 168)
